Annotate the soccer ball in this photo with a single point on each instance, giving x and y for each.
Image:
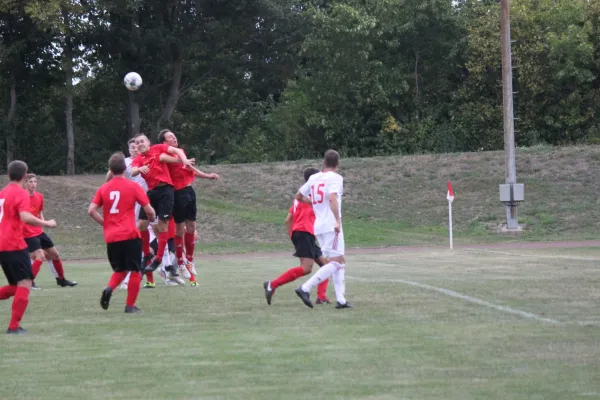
(133, 81)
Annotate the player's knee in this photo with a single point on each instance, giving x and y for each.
(26, 283)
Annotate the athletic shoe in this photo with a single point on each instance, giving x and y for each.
(347, 305)
(149, 285)
(105, 299)
(153, 265)
(268, 293)
(62, 282)
(323, 301)
(191, 267)
(132, 310)
(172, 271)
(17, 331)
(169, 282)
(304, 296)
(34, 286)
(183, 271)
(194, 284)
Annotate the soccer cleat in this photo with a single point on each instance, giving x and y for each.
(153, 265)
(132, 310)
(183, 271)
(268, 293)
(17, 331)
(346, 305)
(62, 282)
(304, 296)
(323, 301)
(34, 286)
(169, 282)
(172, 271)
(149, 285)
(191, 267)
(105, 299)
(194, 284)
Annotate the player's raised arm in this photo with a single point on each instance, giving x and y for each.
(181, 154)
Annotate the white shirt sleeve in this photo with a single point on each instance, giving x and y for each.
(305, 189)
(336, 185)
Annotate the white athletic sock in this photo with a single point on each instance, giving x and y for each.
(126, 280)
(167, 258)
(339, 284)
(323, 273)
(51, 264)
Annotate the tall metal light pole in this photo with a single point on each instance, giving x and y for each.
(510, 193)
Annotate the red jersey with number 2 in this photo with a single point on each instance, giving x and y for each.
(36, 206)
(117, 198)
(159, 172)
(303, 217)
(13, 201)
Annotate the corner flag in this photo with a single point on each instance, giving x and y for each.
(450, 195)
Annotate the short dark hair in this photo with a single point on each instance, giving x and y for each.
(116, 163)
(161, 135)
(132, 140)
(17, 170)
(332, 159)
(308, 172)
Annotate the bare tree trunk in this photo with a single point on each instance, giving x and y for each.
(174, 93)
(68, 68)
(134, 115)
(10, 134)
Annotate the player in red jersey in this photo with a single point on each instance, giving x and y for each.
(184, 209)
(39, 244)
(160, 192)
(300, 223)
(117, 198)
(14, 257)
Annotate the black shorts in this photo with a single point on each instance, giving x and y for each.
(306, 245)
(170, 245)
(161, 199)
(125, 255)
(16, 265)
(41, 241)
(185, 205)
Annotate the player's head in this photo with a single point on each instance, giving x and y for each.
(143, 143)
(331, 159)
(132, 147)
(167, 137)
(17, 172)
(308, 172)
(116, 163)
(31, 182)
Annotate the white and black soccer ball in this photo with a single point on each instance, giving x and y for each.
(133, 81)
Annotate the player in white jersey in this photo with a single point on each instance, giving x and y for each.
(324, 191)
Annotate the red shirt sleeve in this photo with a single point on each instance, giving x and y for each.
(141, 196)
(162, 148)
(98, 197)
(136, 162)
(23, 202)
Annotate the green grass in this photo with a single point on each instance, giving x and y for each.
(388, 201)
(222, 341)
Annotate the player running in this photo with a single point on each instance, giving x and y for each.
(39, 244)
(184, 210)
(160, 192)
(300, 223)
(117, 199)
(325, 190)
(14, 257)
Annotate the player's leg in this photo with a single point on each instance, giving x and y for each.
(51, 253)
(34, 247)
(189, 237)
(143, 225)
(125, 282)
(164, 199)
(322, 287)
(17, 269)
(132, 249)
(117, 259)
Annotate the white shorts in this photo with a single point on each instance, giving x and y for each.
(332, 244)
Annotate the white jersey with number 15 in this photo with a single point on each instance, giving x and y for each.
(318, 187)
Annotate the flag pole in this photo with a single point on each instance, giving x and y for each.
(450, 197)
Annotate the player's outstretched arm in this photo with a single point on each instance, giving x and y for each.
(93, 212)
(204, 175)
(30, 219)
(181, 154)
(335, 209)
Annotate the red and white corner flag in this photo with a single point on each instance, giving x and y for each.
(450, 195)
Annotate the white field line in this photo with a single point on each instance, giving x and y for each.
(506, 253)
(461, 296)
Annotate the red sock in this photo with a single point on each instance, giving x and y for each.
(19, 306)
(6, 292)
(116, 279)
(322, 289)
(188, 238)
(149, 277)
(35, 267)
(163, 238)
(179, 249)
(288, 276)
(145, 242)
(58, 267)
(133, 288)
(192, 277)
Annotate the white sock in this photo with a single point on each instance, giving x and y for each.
(126, 280)
(166, 258)
(339, 284)
(51, 264)
(323, 273)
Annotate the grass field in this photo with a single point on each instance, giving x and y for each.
(389, 201)
(431, 324)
